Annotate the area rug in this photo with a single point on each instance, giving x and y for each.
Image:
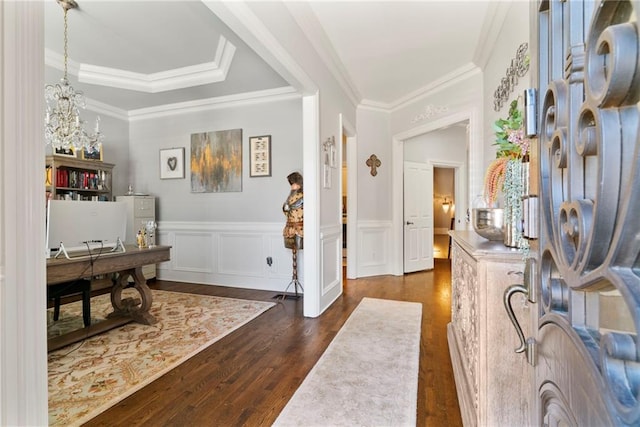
(368, 376)
(89, 377)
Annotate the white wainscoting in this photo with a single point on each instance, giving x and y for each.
(374, 245)
(227, 254)
(331, 238)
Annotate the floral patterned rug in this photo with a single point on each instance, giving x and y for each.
(89, 377)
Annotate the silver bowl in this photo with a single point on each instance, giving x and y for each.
(488, 222)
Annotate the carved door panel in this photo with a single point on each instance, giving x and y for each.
(588, 265)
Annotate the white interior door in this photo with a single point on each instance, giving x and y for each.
(418, 217)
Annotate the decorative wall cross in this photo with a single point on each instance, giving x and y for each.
(374, 163)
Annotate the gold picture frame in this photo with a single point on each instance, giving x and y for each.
(94, 155)
(64, 152)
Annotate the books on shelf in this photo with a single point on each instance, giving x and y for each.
(81, 180)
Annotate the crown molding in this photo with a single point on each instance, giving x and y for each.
(241, 99)
(241, 19)
(55, 60)
(492, 24)
(179, 78)
(106, 109)
(463, 73)
(456, 76)
(367, 104)
(311, 27)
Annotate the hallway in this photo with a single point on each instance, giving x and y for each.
(247, 377)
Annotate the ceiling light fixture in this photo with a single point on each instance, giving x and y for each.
(63, 127)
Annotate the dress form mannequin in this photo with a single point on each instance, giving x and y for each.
(293, 232)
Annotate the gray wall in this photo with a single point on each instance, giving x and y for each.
(261, 198)
(374, 192)
(448, 144)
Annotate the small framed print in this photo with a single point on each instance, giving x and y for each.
(94, 154)
(65, 152)
(260, 155)
(172, 163)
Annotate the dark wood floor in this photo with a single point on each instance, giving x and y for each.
(246, 378)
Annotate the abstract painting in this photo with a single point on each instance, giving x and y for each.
(216, 161)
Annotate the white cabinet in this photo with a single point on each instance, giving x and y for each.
(140, 210)
(493, 382)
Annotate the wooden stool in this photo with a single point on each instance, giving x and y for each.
(56, 292)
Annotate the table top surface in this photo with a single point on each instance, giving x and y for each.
(62, 269)
(130, 250)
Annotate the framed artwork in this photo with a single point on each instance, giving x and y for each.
(95, 154)
(65, 152)
(260, 155)
(172, 163)
(216, 161)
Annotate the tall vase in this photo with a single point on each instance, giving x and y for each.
(513, 192)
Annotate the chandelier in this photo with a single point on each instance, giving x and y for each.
(63, 127)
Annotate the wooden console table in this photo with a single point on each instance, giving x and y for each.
(126, 264)
(493, 382)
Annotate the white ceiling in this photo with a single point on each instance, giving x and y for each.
(394, 48)
(142, 54)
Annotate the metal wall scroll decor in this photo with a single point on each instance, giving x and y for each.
(518, 68)
(374, 163)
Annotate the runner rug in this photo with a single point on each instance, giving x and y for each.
(368, 376)
(89, 377)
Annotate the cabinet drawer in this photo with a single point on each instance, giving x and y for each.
(144, 207)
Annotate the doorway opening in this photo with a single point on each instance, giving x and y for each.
(344, 203)
(443, 152)
(444, 207)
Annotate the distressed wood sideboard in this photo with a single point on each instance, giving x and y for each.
(492, 381)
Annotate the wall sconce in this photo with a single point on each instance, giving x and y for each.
(446, 205)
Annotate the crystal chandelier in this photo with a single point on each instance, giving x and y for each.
(63, 127)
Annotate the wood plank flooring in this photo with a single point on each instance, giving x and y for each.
(246, 378)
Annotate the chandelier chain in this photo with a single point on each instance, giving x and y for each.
(63, 126)
(66, 43)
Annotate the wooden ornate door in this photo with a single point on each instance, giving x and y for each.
(587, 270)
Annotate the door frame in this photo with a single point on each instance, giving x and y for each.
(349, 132)
(470, 113)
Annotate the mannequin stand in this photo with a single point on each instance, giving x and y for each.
(294, 277)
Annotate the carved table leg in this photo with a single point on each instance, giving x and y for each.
(136, 308)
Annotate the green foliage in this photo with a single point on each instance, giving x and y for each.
(509, 133)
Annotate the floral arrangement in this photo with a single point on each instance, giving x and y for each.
(512, 145)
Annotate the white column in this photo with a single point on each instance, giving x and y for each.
(23, 343)
(312, 264)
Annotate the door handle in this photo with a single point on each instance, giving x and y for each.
(508, 293)
(409, 223)
(528, 290)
